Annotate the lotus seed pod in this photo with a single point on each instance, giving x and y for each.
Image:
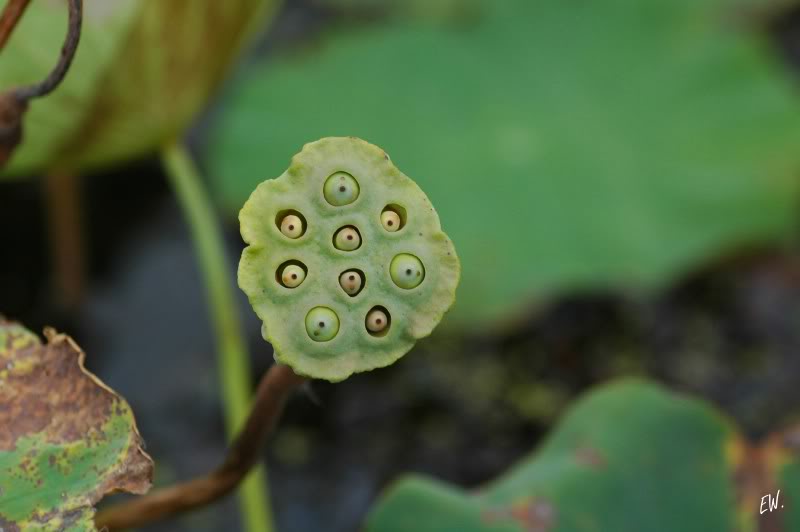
(293, 276)
(341, 189)
(322, 324)
(351, 282)
(291, 317)
(377, 321)
(292, 226)
(347, 239)
(407, 271)
(390, 221)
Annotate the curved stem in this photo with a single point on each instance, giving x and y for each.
(68, 50)
(14, 102)
(271, 396)
(233, 360)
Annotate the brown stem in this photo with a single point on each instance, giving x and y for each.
(12, 13)
(273, 390)
(68, 50)
(62, 192)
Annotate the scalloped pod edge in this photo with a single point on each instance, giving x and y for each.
(412, 313)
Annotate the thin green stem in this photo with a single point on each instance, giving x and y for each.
(233, 360)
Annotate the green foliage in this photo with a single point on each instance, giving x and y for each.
(66, 438)
(300, 320)
(565, 144)
(628, 457)
(426, 11)
(143, 70)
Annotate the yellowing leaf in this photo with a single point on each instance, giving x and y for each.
(142, 71)
(66, 439)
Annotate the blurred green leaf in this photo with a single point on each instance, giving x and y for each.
(566, 144)
(789, 471)
(66, 439)
(629, 457)
(143, 70)
(430, 11)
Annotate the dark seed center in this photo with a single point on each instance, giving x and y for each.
(342, 189)
(390, 222)
(349, 237)
(378, 321)
(322, 324)
(294, 276)
(408, 271)
(352, 277)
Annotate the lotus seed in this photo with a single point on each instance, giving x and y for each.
(390, 221)
(292, 226)
(347, 239)
(377, 320)
(407, 271)
(293, 276)
(341, 189)
(351, 282)
(322, 324)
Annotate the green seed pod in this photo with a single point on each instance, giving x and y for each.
(347, 239)
(322, 324)
(293, 276)
(341, 189)
(390, 221)
(407, 271)
(291, 317)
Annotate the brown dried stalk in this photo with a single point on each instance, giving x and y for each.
(273, 390)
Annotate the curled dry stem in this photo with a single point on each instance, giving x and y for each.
(14, 102)
(273, 390)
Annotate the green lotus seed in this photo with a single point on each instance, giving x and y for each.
(293, 276)
(322, 324)
(351, 282)
(377, 321)
(347, 239)
(390, 221)
(407, 271)
(292, 226)
(341, 189)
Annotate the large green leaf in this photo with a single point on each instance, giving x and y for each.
(143, 70)
(66, 438)
(428, 11)
(630, 457)
(565, 144)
